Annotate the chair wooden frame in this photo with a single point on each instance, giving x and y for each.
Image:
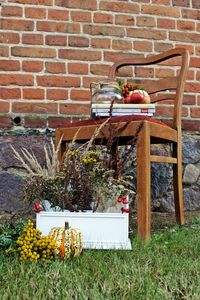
(149, 133)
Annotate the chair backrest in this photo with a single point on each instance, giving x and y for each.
(168, 88)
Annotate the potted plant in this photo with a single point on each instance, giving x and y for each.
(84, 191)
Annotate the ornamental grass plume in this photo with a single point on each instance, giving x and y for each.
(32, 165)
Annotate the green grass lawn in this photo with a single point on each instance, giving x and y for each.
(168, 267)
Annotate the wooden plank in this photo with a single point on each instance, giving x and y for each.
(163, 159)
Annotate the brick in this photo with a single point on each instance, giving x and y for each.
(34, 2)
(116, 56)
(57, 94)
(144, 72)
(4, 51)
(100, 43)
(10, 93)
(104, 30)
(88, 80)
(32, 39)
(58, 27)
(55, 122)
(125, 20)
(9, 38)
(195, 62)
(167, 111)
(14, 11)
(164, 72)
(184, 36)
(198, 75)
(74, 109)
(58, 81)
(195, 112)
(158, 10)
(77, 4)
(125, 72)
(162, 2)
(78, 41)
(190, 75)
(189, 99)
(196, 4)
(191, 125)
(5, 122)
(33, 52)
(33, 93)
(80, 95)
(34, 122)
(166, 23)
(32, 66)
(122, 45)
(58, 14)
(81, 16)
(40, 108)
(99, 69)
(84, 55)
(102, 18)
(35, 13)
(198, 100)
(143, 46)
(56, 40)
(4, 107)
(190, 13)
(197, 50)
(181, 3)
(9, 65)
(77, 68)
(193, 87)
(16, 79)
(13, 24)
(186, 25)
(147, 33)
(146, 21)
(161, 47)
(117, 6)
(55, 67)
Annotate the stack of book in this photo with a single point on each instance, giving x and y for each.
(119, 109)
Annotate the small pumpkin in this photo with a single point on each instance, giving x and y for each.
(68, 240)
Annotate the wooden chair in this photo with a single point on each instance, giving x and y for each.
(151, 132)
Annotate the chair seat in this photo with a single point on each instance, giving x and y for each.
(116, 119)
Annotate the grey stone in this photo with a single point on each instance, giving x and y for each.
(191, 200)
(191, 149)
(31, 143)
(10, 191)
(191, 174)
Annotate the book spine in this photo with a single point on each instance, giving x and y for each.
(120, 110)
(104, 114)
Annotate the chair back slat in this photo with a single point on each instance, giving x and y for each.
(164, 84)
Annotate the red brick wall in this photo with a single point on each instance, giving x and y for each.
(52, 49)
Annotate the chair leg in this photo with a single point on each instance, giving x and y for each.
(143, 183)
(178, 185)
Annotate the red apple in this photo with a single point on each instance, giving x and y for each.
(137, 97)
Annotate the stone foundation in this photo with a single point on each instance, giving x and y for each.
(12, 175)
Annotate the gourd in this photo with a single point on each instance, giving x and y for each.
(68, 241)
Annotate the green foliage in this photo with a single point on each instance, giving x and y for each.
(167, 268)
(9, 232)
